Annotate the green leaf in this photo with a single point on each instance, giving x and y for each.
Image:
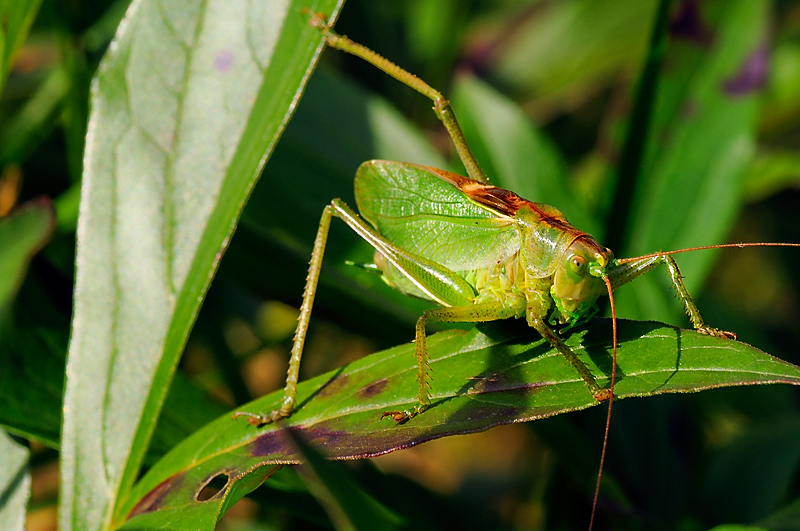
(771, 172)
(22, 234)
(702, 139)
(573, 47)
(16, 17)
(187, 105)
(501, 374)
(15, 483)
(32, 371)
(198, 512)
(29, 391)
(21, 133)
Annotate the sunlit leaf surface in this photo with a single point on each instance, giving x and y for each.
(500, 374)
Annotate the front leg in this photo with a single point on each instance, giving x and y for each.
(688, 303)
(622, 274)
(600, 394)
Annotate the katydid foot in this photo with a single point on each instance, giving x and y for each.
(602, 395)
(716, 332)
(316, 20)
(404, 416)
(258, 420)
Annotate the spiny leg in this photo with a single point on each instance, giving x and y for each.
(600, 394)
(441, 106)
(339, 209)
(474, 313)
(629, 271)
(290, 389)
(448, 287)
(688, 303)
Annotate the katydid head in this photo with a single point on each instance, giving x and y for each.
(578, 281)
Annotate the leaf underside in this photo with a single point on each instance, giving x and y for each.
(495, 374)
(186, 108)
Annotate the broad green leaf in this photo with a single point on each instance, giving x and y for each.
(187, 105)
(701, 142)
(17, 17)
(15, 483)
(702, 139)
(573, 47)
(195, 510)
(501, 374)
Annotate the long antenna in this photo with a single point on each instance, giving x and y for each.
(719, 246)
(610, 401)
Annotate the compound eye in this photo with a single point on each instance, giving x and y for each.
(577, 264)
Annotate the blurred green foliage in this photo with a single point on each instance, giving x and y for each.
(721, 162)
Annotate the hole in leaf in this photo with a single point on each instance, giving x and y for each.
(212, 487)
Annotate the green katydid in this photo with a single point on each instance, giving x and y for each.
(480, 252)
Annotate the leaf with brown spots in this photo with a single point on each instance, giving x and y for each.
(499, 373)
